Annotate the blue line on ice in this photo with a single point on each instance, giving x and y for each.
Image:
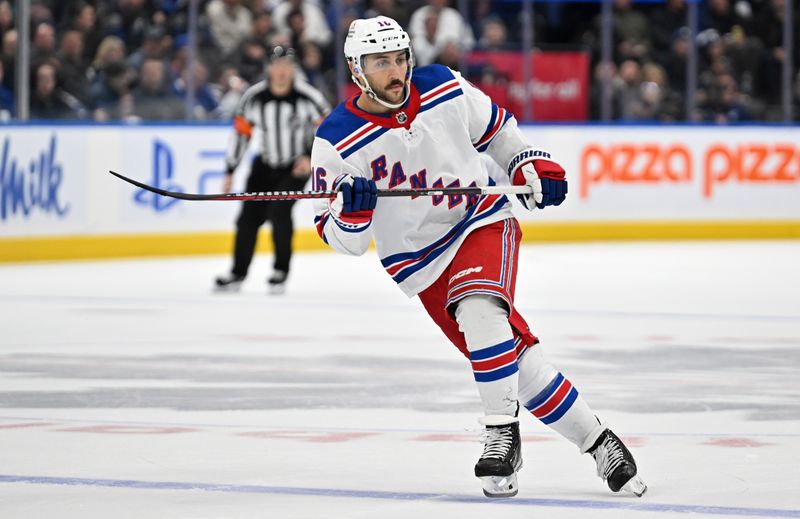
(642, 506)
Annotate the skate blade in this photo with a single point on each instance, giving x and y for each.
(499, 486)
(635, 486)
(229, 288)
(277, 290)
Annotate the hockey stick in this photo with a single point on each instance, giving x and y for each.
(297, 195)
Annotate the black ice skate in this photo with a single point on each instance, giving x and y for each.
(615, 464)
(277, 282)
(502, 456)
(228, 283)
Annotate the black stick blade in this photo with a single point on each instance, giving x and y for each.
(164, 192)
(273, 195)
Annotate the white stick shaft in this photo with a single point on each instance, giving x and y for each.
(507, 190)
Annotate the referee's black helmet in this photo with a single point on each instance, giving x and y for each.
(279, 52)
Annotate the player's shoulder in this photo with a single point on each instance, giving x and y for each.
(338, 124)
(433, 77)
(436, 84)
(347, 131)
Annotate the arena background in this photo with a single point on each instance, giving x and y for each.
(674, 120)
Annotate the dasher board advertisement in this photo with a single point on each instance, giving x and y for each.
(54, 180)
(674, 173)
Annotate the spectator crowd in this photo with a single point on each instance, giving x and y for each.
(106, 60)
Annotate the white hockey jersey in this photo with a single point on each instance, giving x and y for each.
(433, 141)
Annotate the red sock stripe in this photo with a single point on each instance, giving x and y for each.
(497, 362)
(554, 401)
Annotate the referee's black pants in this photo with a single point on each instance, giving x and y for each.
(254, 214)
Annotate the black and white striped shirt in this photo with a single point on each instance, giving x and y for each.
(287, 123)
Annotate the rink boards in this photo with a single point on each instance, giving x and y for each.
(57, 200)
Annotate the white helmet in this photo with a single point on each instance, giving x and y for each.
(371, 36)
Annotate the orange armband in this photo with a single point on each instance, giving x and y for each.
(242, 126)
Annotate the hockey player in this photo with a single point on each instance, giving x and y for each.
(457, 254)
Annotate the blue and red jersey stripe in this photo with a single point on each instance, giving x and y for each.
(496, 121)
(400, 266)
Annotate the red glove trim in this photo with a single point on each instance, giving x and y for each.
(519, 177)
(544, 169)
(549, 169)
(356, 217)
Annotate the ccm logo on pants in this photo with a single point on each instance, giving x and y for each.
(461, 274)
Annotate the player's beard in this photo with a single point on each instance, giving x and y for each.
(393, 96)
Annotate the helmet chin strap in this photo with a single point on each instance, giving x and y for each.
(372, 95)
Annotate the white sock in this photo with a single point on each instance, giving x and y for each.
(484, 321)
(551, 398)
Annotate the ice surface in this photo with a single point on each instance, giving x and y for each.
(129, 390)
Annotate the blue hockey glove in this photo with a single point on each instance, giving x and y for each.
(355, 200)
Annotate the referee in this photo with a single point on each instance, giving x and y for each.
(287, 111)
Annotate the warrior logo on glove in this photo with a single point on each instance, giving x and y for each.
(547, 178)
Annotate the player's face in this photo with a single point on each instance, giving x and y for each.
(386, 73)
